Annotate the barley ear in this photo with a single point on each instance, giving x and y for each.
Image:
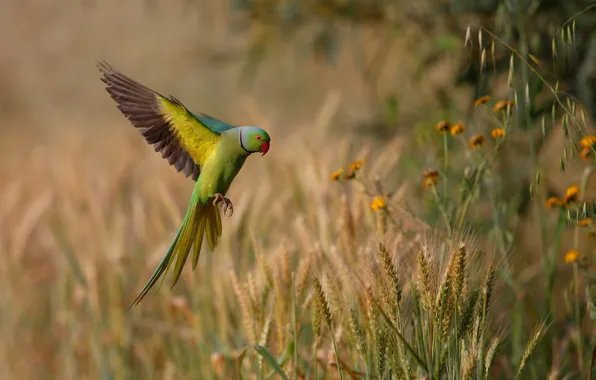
(490, 355)
(537, 334)
(392, 278)
(423, 281)
(357, 333)
(458, 274)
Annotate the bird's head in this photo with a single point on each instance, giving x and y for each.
(254, 139)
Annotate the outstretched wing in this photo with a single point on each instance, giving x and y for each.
(212, 123)
(179, 135)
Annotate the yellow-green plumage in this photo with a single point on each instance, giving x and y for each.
(210, 151)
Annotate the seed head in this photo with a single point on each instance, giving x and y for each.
(423, 280)
(321, 302)
(391, 275)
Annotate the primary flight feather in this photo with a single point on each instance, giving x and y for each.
(208, 150)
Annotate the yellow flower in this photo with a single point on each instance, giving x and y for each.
(503, 104)
(571, 194)
(476, 141)
(588, 141)
(585, 222)
(336, 175)
(552, 202)
(378, 203)
(586, 153)
(442, 127)
(497, 133)
(430, 177)
(481, 100)
(571, 256)
(458, 129)
(356, 165)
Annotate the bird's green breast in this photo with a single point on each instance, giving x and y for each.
(221, 167)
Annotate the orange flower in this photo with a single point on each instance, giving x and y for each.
(481, 100)
(378, 203)
(476, 141)
(336, 175)
(571, 194)
(356, 165)
(497, 133)
(430, 177)
(353, 168)
(571, 256)
(458, 129)
(587, 153)
(350, 175)
(503, 104)
(429, 182)
(588, 141)
(442, 127)
(585, 222)
(553, 202)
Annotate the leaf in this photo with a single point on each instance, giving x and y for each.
(240, 360)
(284, 358)
(271, 360)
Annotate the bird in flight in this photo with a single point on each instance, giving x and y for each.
(208, 150)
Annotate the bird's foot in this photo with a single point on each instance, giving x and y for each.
(220, 200)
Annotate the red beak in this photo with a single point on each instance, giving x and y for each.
(265, 147)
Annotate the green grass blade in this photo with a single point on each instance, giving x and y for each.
(271, 360)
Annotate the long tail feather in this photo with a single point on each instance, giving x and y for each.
(201, 220)
(198, 243)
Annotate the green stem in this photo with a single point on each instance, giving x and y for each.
(578, 335)
(341, 376)
(442, 210)
(552, 263)
(446, 165)
(295, 326)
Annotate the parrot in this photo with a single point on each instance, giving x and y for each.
(204, 148)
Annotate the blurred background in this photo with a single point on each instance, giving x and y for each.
(87, 208)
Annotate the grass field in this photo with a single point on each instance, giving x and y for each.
(453, 248)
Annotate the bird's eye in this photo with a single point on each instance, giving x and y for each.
(258, 137)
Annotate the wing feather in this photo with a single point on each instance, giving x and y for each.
(182, 139)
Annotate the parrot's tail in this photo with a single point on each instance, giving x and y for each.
(202, 220)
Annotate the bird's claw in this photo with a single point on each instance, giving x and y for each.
(220, 200)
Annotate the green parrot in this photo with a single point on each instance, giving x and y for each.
(210, 151)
